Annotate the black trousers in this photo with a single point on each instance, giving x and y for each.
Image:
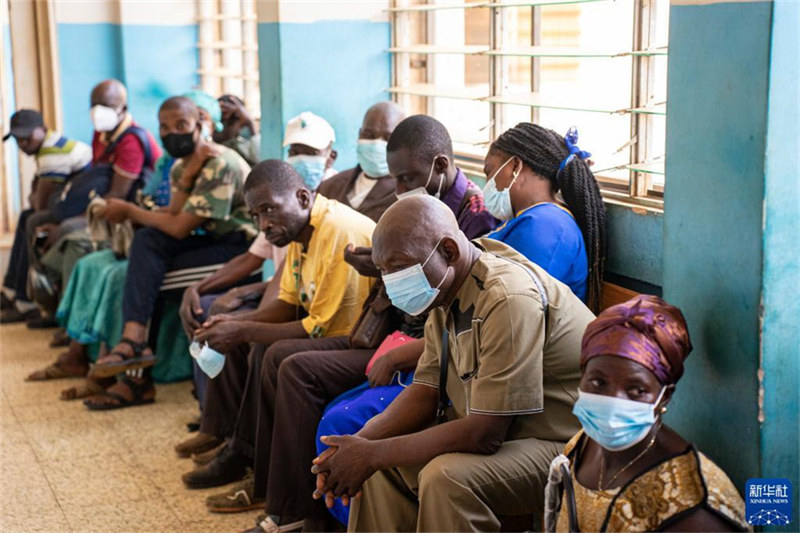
(17, 274)
(269, 401)
(153, 253)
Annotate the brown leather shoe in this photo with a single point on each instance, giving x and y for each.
(201, 442)
(204, 458)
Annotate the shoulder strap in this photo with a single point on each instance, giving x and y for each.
(144, 140)
(441, 409)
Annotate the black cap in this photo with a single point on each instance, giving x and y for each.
(23, 122)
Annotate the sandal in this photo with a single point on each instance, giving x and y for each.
(136, 361)
(60, 339)
(53, 371)
(90, 387)
(138, 390)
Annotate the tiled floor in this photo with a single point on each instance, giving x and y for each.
(65, 468)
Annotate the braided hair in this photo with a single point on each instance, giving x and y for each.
(543, 151)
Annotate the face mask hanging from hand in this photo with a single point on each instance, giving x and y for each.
(424, 190)
(498, 203)
(310, 167)
(371, 155)
(409, 289)
(614, 423)
(208, 359)
(104, 118)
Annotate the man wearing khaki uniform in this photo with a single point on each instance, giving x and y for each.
(512, 378)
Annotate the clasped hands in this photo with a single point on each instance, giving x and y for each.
(343, 468)
(221, 332)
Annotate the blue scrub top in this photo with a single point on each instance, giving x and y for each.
(548, 235)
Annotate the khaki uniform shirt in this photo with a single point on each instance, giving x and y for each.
(504, 359)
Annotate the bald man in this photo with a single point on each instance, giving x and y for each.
(509, 335)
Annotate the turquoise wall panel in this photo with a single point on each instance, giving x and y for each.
(716, 130)
(335, 69)
(88, 54)
(780, 434)
(160, 61)
(273, 119)
(153, 61)
(635, 241)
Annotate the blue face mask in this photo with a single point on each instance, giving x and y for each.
(371, 155)
(310, 167)
(614, 423)
(208, 359)
(498, 203)
(409, 289)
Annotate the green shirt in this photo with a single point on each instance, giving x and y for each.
(217, 194)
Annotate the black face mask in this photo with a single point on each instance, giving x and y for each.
(179, 144)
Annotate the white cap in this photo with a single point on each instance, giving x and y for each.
(309, 129)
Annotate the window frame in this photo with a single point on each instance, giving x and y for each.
(228, 29)
(411, 21)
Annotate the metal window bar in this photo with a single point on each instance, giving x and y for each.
(641, 108)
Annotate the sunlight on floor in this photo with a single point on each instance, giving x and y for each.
(65, 468)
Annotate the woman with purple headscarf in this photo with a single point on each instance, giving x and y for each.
(629, 472)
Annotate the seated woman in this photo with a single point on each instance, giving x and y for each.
(629, 471)
(90, 310)
(525, 167)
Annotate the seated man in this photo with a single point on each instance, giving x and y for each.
(508, 336)
(301, 377)
(57, 160)
(205, 223)
(239, 131)
(316, 282)
(124, 154)
(368, 188)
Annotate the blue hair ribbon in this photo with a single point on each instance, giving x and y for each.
(571, 140)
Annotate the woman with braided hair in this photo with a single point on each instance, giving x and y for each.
(526, 167)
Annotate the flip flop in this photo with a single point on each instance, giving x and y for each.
(136, 361)
(53, 371)
(137, 390)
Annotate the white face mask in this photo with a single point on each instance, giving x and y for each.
(424, 190)
(104, 118)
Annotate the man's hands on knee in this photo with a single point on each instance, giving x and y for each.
(227, 303)
(343, 468)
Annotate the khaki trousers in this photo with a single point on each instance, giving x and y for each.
(457, 491)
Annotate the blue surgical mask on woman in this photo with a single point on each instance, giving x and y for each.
(614, 423)
(409, 289)
(371, 155)
(310, 167)
(498, 203)
(208, 359)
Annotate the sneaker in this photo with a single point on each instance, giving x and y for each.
(238, 498)
(276, 524)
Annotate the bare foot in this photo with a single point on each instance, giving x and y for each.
(124, 393)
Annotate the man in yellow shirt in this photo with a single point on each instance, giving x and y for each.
(320, 296)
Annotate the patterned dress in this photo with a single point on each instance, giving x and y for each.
(657, 497)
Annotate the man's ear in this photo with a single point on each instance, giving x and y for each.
(303, 198)
(441, 164)
(331, 158)
(451, 250)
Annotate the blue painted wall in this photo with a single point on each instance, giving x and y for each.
(635, 241)
(716, 131)
(780, 431)
(154, 62)
(335, 69)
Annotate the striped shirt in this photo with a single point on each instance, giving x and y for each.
(59, 158)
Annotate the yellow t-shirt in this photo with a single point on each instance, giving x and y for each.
(318, 279)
